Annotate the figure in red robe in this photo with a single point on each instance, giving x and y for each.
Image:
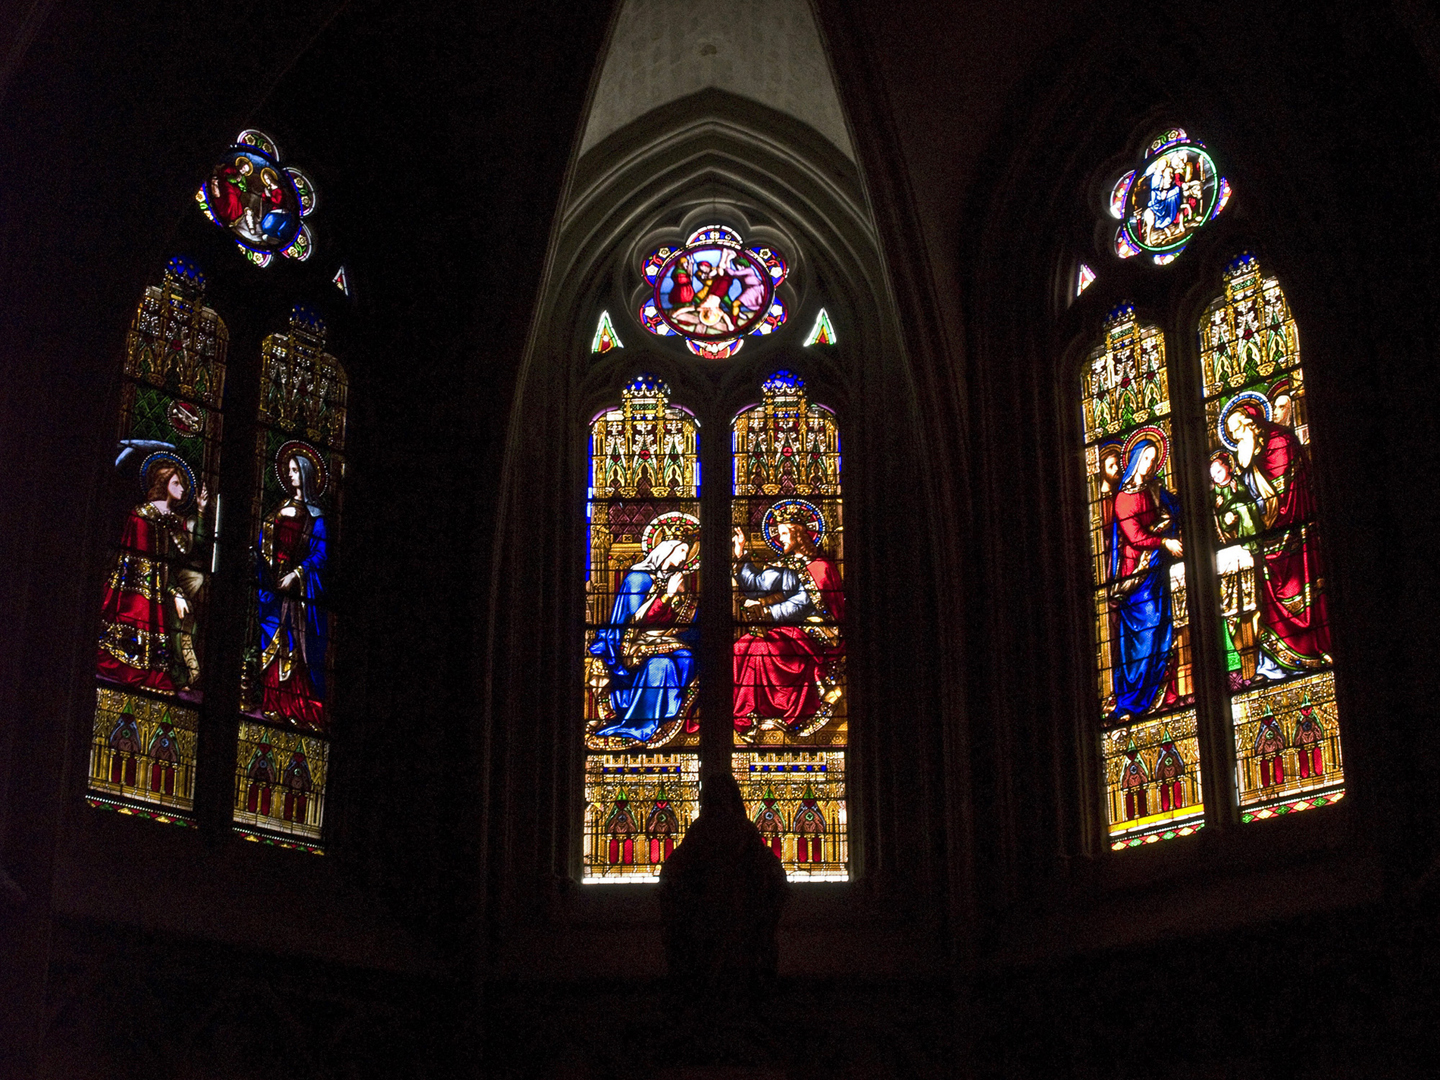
(1294, 623)
(787, 663)
(290, 593)
(1144, 543)
(229, 192)
(1107, 484)
(147, 618)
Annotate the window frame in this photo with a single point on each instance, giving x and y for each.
(1175, 298)
(715, 392)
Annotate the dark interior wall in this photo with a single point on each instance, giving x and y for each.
(436, 192)
(439, 136)
(1197, 950)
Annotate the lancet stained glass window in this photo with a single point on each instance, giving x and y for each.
(287, 686)
(1145, 686)
(642, 590)
(1274, 612)
(150, 666)
(789, 704)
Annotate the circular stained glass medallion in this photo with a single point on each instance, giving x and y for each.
(256, 199)
(1171, 196)
(713, 290)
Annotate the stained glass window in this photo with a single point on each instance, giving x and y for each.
(788, 653)
(1163, 202)
(642, 590)
(259, 201)
(822, 333)
(605, 336)
(150, 663)
(712, 291)
(1274, 612)
(1145, 693)
(287, 683)
(1084, 278)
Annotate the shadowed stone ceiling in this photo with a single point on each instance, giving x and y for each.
(765, 50)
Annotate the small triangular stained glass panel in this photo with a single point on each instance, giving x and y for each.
(822, 333)
(605, 336)
(341, 281)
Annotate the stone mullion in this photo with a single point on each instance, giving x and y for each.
(1189, 438)
(715, 623)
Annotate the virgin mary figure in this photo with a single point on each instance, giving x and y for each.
(1144, 540)
(648, 647)
(290, 588)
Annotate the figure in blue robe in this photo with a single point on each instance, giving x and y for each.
(1162, 209)
(289, 595)
(1144, 541)
(648, 647)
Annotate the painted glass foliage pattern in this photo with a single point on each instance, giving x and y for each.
(712, 291)
(642, 590)
(1145, 685)
(286, 682)
(788, 654)
(1271, 571)
(1163, 202)
(150, 660)
(259, 201)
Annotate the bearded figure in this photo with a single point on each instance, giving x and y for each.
(1294, 622)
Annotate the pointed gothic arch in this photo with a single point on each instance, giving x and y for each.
(711, 157)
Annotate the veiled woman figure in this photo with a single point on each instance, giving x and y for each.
(147, 615)
(1144, 540)
(294, 627)
(648, 647)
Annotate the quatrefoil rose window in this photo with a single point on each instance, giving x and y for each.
(713, 291)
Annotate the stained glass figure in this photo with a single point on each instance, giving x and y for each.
(1175, 190)
(286, 681)
(789, 705)
(149, 663)
(1145, 685)
(1084, 278)
(1274, 608)
(822, 333)
(259, 201)
(605, 336)
(642, 588)
(712, 291)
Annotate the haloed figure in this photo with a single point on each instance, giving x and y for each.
(1294, 623)
(785, 664)
(294, 628)
(148, 616)
(1144, 541)
(645, 657)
